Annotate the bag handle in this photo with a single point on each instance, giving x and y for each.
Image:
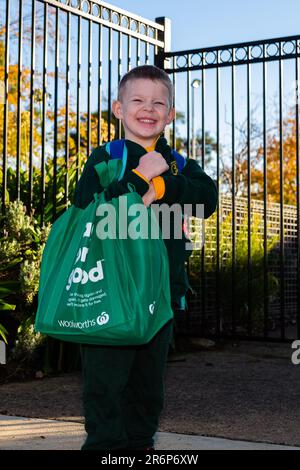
(113, 169)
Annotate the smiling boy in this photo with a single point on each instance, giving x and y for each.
(123, 389)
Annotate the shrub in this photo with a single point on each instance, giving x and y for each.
(22, 242)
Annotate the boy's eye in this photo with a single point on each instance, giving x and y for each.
(160, 102)
(137, 100)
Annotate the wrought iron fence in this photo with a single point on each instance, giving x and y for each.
(248, 138)
(61, 63)
(237, 114)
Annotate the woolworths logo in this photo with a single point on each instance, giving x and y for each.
(102, 319)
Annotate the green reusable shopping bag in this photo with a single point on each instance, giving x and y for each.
(99, 290)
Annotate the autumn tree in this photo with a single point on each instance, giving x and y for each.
(289, 168)
(23, 104)
(273, 145)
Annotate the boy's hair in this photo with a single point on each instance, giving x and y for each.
(152, 73)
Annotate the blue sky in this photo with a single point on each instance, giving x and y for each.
(198, 23)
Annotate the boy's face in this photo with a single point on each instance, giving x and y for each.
(144, 109)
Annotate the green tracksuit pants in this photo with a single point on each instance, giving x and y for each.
(123, 392)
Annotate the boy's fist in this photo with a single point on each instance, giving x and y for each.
(152, 164)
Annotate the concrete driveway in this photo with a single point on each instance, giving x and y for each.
(18, 433)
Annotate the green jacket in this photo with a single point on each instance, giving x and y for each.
(192, 186)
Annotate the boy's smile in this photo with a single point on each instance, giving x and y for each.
(144, 109)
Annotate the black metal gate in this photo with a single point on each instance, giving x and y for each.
(237, 114)
(61, 63)
(247, 282)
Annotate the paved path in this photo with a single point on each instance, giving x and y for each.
(17, 433)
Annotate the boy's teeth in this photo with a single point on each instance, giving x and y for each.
(146, 120)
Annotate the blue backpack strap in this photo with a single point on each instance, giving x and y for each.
(180, 160)
(115, 148)
(118, 149)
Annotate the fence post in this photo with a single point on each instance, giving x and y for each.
(165, 37)
(159, 59)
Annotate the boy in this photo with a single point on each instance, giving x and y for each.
(123, 386)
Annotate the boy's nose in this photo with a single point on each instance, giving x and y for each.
(148, 106)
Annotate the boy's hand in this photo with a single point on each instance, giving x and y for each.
(152, 164)
(150, 195)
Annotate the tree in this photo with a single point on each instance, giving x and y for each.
(257, 160)
(289, 170)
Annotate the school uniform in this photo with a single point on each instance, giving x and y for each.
(123, 390)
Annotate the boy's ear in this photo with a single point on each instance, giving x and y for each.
(117, 109)
(171, 115)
